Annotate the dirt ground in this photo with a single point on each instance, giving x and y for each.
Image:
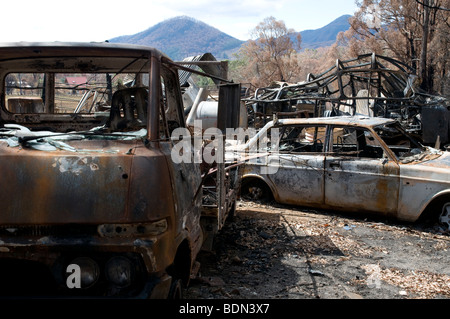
(272, 251)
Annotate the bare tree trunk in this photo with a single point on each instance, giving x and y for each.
(424, 74)
(412, 53)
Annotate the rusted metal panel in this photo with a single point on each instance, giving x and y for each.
(362, 184)
(299, 179)
(428, 179)
(48, 188)
(89, 187)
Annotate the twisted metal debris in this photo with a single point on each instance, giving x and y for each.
(371, 85)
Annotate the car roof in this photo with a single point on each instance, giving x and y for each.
(17, 50)
(336, 120)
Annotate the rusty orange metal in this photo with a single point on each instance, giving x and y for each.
(98, 185)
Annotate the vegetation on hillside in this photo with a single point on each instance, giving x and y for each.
(182, 37)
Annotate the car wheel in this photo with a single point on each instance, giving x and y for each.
(444, 217)
(256, 190)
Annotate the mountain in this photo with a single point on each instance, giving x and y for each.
(325, 36)
(182, 37)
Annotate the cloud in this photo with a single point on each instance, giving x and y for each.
(98, 20)
(234, 17)
(224, 8)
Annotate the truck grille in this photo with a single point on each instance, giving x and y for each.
(47, 230)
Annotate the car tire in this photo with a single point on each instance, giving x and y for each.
(444, 216)
(256, 190)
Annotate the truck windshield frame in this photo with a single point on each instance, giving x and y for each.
(64, 89)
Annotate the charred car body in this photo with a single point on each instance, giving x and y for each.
(350, 163)
(88, 177)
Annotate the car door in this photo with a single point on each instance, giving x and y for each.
(359, 175)
(297, 165)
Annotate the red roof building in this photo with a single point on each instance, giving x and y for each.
(76, 80)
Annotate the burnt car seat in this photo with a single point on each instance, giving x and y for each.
(128, 109)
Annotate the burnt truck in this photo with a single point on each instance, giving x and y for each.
(97, 198)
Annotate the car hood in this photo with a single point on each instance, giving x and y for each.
(442, 161)
(82, 181)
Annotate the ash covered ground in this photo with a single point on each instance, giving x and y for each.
(272, 251)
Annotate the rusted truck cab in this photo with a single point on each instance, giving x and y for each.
(91, 201)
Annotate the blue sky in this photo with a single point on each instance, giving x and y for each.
(99, 20)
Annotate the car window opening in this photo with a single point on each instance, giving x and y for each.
(301, 139)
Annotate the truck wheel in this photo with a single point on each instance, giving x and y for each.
(176, 289)
(444, 217)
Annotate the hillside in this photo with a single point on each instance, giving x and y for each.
(183, 36)
(326, 35)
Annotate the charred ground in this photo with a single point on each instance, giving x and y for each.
(274, 251)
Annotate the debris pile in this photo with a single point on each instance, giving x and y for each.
(369, 85)
(421, 284)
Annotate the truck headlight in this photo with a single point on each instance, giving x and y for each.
(88, 271)
(120, 271)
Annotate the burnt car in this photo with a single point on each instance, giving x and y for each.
(349, 163)
(92, 201)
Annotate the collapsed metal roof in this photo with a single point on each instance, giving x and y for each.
(369, 85)
(195, 63)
